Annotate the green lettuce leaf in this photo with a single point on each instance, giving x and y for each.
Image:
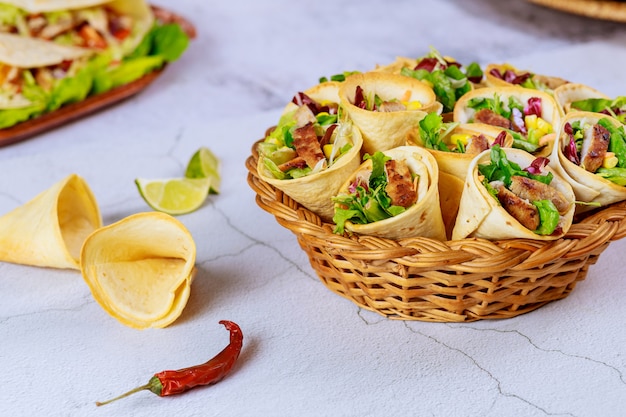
(548, 217)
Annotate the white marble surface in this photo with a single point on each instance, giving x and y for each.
(307, 351)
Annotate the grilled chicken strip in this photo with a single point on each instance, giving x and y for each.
(476, 145)
(595, 146)
(491, 118)
(307, 145)
(522, 210)
(400, 184)
(533, 190)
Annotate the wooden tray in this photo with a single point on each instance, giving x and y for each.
(597, 9)
(92, 104)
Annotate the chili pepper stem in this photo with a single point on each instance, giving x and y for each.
(132, 391)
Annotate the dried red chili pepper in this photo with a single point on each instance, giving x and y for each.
(175, 382)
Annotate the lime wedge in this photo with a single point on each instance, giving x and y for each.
(204, 164)
(174, 195)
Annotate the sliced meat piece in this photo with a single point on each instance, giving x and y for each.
(297, 162)
(523, 211)
(400, 184)
(390, 106)
(491, 118)
(595, 146)
(304, 115)
(307, 145)
(476, 144)
(533, 190)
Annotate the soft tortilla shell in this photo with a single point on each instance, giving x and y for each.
(424, 218)
(386, 130)
(140, 268)
(316, 190)
(450, 191)
(566, 94)
(481, 215)
(50, 229)
(587, 186)
(21, 52)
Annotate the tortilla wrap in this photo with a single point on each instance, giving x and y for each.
(588, 186)
(49, 230)
(456, 163)
(542, 82)
(140, 269)
(482, 216)
(386, 130)
(565, 95)
(423, 218)
(550, 111)
(315, 191)
(138, 10)
(450, 191)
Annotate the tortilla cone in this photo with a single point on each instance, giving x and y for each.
(49, 230)
(139, 10)
(450, 191)
(424, 218)
(565, 95)
(396, 66)
(481, 215)
(140, 269)
(386, 130)
(456, 163)
(550, 110)
(492, 81)
(588, 187)
(322, 93)
(316, 190)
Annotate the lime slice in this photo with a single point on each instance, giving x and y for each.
(204, 164)
(174, 195)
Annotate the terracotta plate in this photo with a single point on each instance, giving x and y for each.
(71, 112)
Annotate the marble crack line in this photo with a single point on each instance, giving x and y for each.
(265, 244)
(619, 373)
(6, 319)
(488, 373)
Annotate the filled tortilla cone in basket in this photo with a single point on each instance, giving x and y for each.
(140, 269)
(529, 207)
(50, 229)
(386, 107)
(591, 153)
(531, 116)
(422, 212)
(506, 75)
(567, 94)
(454, 145)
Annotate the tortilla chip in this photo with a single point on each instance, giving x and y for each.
(49, 230)
(387, 130)
(140, 269)
(588, 186)
(481, 215)
(422, 219)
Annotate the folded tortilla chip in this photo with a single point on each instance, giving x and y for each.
(49, 230)
(423, 218)
(482, 216)
(590, 187)
(140, 269)
(409, 101)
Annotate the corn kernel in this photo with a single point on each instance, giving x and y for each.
(412, 105)
(328, 149)
(610, 160)
(460, 137)
(531, 121)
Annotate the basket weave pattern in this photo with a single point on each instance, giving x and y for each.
(454, 281)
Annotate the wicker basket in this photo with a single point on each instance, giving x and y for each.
(455, 281)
